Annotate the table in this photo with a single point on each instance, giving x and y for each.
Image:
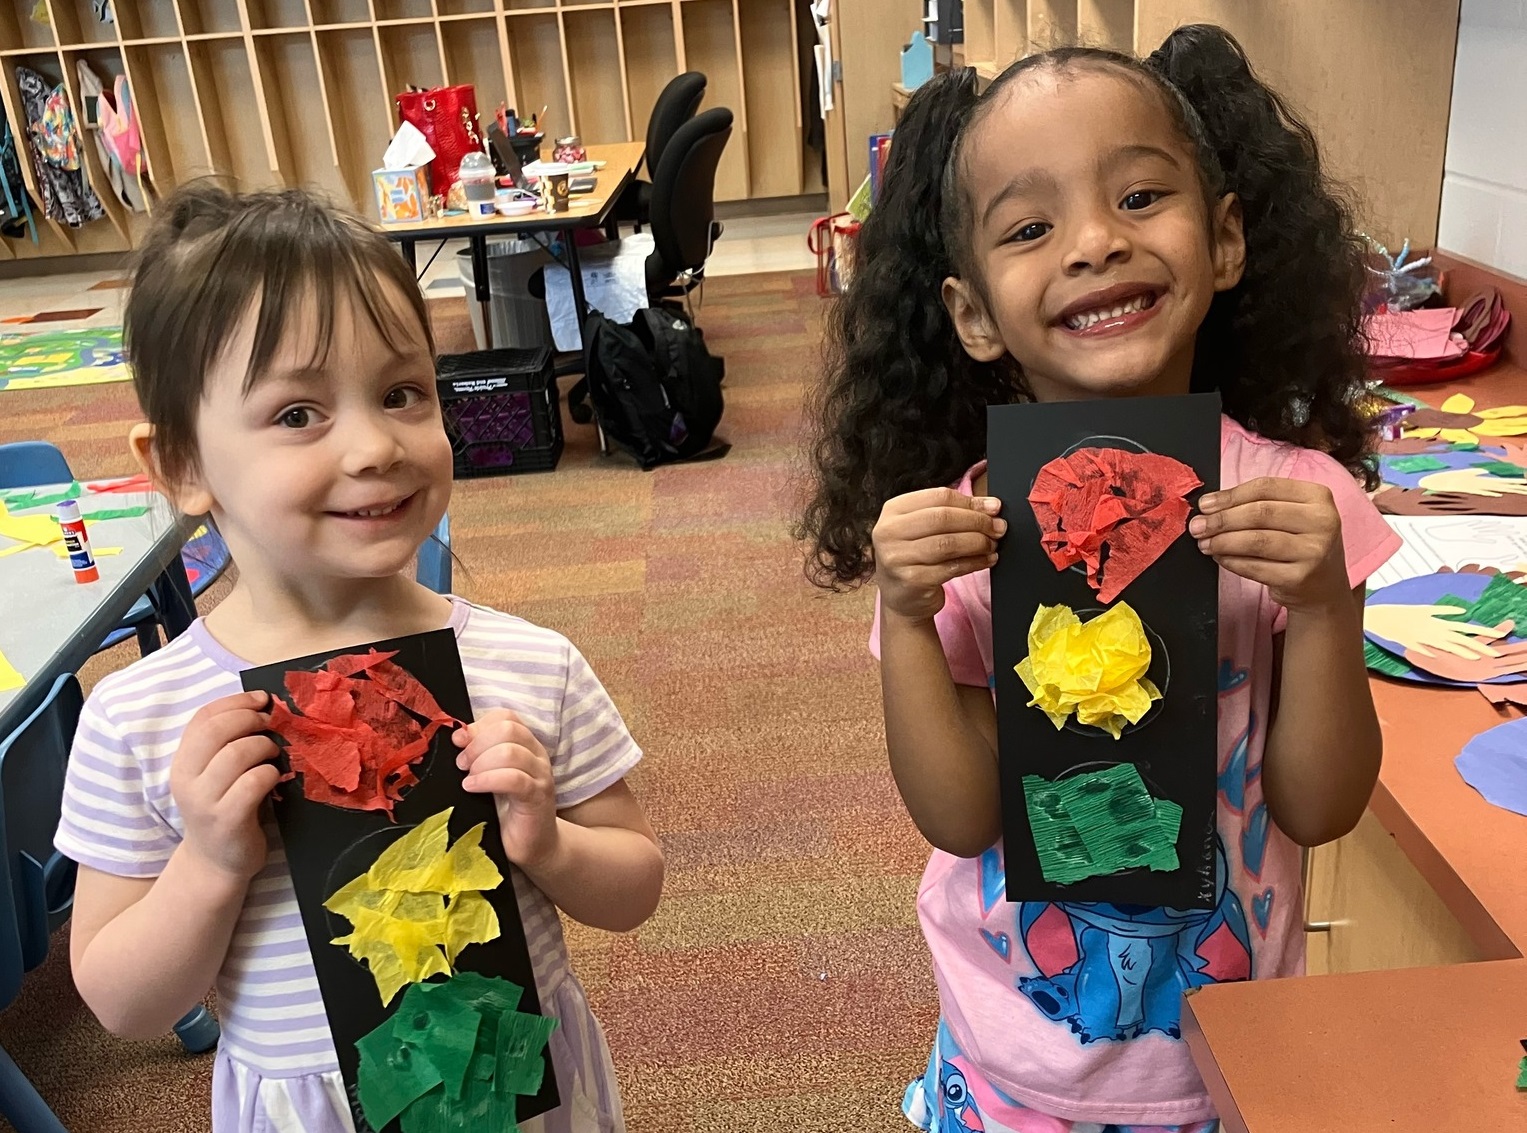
(52, 625)
(1438, 901)
(588, 210)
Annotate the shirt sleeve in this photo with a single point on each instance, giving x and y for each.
(956, 633)
(1367, 539)
(594, 750)
(108, 821)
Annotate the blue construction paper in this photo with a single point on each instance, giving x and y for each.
(1494, 763)
(1429, 590)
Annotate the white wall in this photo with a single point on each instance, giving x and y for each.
(1484, 190)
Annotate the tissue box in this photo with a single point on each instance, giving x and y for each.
(402, 195)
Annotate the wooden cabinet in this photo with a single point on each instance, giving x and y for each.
(1381, 124)
(1372, 910)
(299, 92)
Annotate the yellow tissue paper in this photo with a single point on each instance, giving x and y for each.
(1094, 669)
(9, 677)
(419, 905)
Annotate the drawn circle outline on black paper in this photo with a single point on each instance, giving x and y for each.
(1159, 657)
(344, 871)
(1152, 788)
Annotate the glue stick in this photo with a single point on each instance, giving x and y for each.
(77, 540)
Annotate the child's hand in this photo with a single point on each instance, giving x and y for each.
(1285, 534)
(924, 539)
(219, 776)
(502, 757)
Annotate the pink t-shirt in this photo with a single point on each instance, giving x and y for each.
(1029, 990)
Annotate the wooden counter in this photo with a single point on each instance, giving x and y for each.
(1433, 879)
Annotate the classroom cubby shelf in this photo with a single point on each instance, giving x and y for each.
(299, 92)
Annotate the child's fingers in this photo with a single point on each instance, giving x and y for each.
(490, 733)
(234, 760)
(1259, 515)
(462, 736)
(1270, 488)
(942, 549)
(1270, 546)
(940, 498)
(507, 755)
(936, 521)
(218, 724)
(509, 781)
(252, 788)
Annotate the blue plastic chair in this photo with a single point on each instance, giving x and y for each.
(434, 569)
(27, 464)
(37, 882)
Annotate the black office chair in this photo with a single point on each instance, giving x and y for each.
(675, 106)
(683, 212)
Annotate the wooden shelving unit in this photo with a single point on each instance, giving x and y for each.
(299, 92)
(1382, 128)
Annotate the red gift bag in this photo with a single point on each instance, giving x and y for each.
(447, 117)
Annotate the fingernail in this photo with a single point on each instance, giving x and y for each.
(1197, 526)
(999, 526)
(990, 505)
(1211, 501)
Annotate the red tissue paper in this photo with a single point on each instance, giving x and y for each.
(1114, 510)
(356, 740)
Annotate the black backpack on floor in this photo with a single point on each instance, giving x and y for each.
(654, 386)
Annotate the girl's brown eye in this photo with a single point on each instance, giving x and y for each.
(298, 418)
(1142, 199)
(1031, 231)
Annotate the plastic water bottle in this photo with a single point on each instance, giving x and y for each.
(477, 183)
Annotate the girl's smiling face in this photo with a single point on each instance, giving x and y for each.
(1094, 254)
(333, 466)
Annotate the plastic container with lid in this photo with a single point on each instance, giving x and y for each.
(477, 182)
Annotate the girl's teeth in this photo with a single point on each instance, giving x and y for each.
(1089, 318)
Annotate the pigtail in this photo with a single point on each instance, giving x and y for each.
(1284, 347)
(901, 406)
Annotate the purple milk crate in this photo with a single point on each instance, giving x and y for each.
(502, 411)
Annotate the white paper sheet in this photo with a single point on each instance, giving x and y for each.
(614, 282)
(1432, 543)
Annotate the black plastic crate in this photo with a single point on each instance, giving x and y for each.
(502, 411)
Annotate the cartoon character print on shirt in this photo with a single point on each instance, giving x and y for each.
(1118, 971)
(1238, 782)
(957, 1112)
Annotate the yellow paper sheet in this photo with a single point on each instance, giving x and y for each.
(419, 905)
(34, 530)
(1095, 669)
(9, 677)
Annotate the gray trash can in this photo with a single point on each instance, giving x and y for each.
(519, 318)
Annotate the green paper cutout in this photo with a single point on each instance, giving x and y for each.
(1063, 858)
(480, 1110)
(114, 513)
(1460, 446)
(1503, 468)
(1383, 661)
(1502, 599)
(453, 1057)
(19, 501)
(391, 1075)
(1100, 823)
(521, 1044)
(1416, 464)
(1521, 1075)
(441, 1026)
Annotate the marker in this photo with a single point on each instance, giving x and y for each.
(77, 540)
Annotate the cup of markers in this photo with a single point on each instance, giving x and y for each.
(77, 541)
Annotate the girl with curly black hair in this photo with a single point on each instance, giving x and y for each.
(1097, 226)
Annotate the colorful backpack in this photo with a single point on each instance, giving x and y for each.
(56, 134)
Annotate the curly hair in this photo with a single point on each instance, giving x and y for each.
(902, 406)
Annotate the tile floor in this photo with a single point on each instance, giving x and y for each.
(87, 299)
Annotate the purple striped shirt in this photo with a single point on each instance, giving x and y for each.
(120, 818)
